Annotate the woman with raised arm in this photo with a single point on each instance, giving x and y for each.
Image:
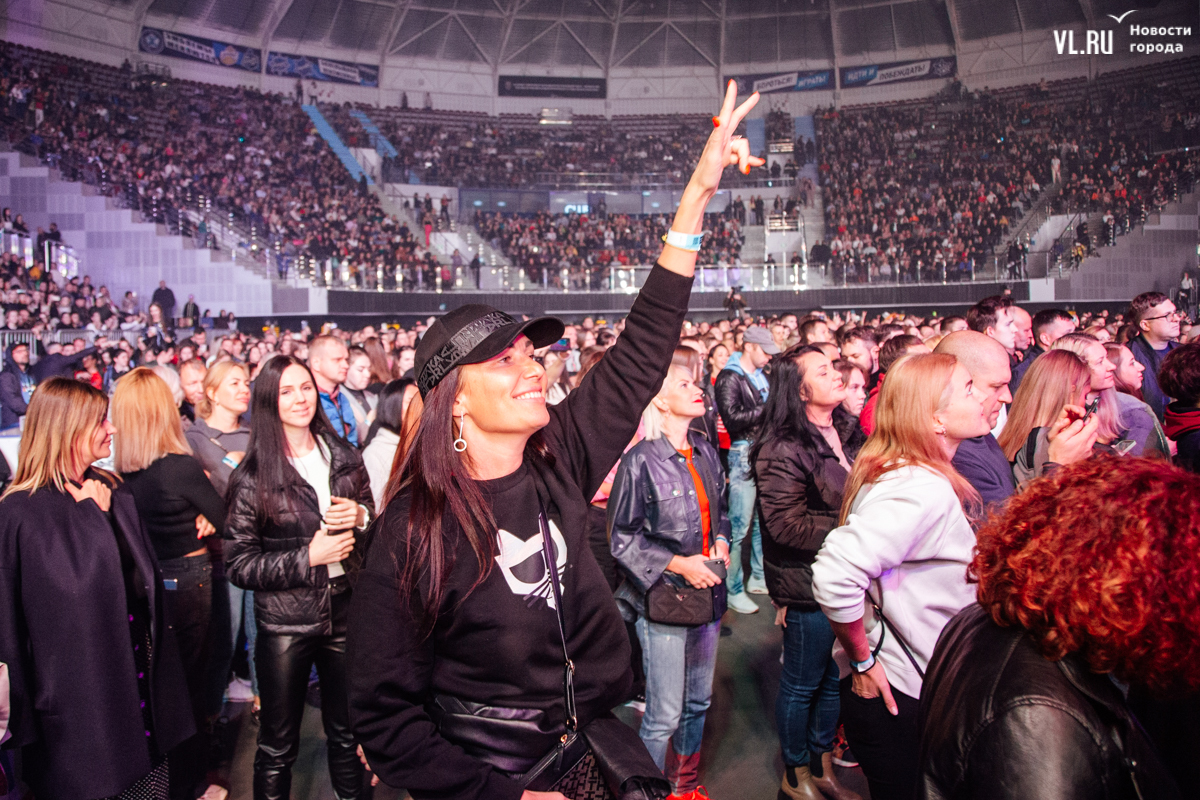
(456, 609)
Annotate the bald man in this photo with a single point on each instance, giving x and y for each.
(980, 460)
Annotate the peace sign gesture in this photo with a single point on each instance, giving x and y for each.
(723, 147)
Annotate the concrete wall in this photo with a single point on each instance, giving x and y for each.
(124, 254)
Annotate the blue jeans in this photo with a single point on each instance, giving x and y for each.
(806, 710)
(241, 602)
(679, 663)
(742, 517)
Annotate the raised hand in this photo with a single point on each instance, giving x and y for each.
(724, 148)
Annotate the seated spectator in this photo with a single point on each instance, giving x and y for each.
(1025, 694)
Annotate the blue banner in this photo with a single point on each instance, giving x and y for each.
(899, 72)
(321, 69)
(195, 48)
(812, 80)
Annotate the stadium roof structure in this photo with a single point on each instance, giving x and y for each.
(590, 36)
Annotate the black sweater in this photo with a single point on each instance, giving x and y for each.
(169, 494)
(499, 645)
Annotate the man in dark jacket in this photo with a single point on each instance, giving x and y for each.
(980, 460)
(1049, 325)
(741, 393)
(16, 386)
(1158, 324)
(165, 299)
(58, 365)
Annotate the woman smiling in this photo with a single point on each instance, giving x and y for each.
(458, 607)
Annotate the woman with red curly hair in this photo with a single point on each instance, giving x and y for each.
(1088, 583)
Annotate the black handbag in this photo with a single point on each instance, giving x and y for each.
(491, 732)
(673, 601)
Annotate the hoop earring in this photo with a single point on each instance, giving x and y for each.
(460, 444)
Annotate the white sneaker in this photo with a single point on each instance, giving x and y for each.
(742, 604)
(756, 586)
(239, 691)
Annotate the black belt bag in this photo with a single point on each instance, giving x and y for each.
(495, 735)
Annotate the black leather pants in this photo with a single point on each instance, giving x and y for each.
(284, 663)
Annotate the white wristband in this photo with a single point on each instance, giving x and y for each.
(684, 241)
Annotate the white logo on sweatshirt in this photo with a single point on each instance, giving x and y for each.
(524, 566)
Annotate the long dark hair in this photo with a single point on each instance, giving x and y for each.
(389, 413)
(266, 462)
(785, 415)
(437, 480)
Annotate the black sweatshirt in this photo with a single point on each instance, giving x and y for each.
(500, 645)
(169, 494)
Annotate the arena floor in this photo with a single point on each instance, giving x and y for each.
(741, 752)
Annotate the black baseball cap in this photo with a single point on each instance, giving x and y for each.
(471, 334)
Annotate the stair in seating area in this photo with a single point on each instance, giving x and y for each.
(335, 142)
(378, 140)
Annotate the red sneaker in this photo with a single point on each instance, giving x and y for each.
(699, 793)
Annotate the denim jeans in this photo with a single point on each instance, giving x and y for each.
(241, 603)
(679, 663)
(742, 517)
(806, 710)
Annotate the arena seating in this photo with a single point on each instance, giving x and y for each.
(925, 189)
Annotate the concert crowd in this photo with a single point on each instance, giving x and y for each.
(469, 541)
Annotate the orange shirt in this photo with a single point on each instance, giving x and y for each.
(701, 496)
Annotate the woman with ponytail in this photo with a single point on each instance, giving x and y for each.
(895, 570)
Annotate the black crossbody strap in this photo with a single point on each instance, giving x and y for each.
(895, 633)
(572, 720)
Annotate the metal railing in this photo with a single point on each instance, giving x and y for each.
(798, 276)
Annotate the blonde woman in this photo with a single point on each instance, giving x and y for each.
(179, 508)
(97, 688)
(218, 439)
(1053, 391)
(667, 514)
(1123, 417)
(903, 543)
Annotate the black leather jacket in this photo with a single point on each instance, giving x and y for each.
(653, 513)
(799, 499)
(1001, 722)
(739, 403)
(270, 554)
